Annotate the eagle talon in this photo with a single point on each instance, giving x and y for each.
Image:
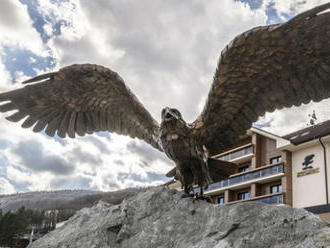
(199, 197)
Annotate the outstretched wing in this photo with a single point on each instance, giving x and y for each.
(81, 99)
(264, 69)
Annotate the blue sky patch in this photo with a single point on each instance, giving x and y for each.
(254, 4)
(3, 144)
(20, 187)
(104, 134)
(272, 15)
(39, 20)
(16, 60)
(3, 164)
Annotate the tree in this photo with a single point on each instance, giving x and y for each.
(13, 224)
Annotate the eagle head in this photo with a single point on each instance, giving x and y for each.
(170, 115)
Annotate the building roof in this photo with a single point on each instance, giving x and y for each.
(309, 133)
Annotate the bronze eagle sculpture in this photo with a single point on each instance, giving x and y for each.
(263, 69)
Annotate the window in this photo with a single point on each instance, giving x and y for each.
(276, 160)
(275, 189)
(243, 169)
(221, 200)
(243, 196)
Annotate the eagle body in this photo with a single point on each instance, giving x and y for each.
(260, 70)
(177, 140)
(180, 144)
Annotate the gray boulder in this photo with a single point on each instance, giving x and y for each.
(160, 217)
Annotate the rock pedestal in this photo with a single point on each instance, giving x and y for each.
(161, 218)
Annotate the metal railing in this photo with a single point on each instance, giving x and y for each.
(273, 199)
(246, 177)
(236, 154)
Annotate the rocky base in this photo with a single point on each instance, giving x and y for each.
(160, 217)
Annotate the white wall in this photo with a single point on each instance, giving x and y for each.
(309, 190)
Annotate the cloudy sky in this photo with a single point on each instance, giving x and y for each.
(165, 50)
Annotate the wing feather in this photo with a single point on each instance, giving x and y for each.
(80, 99)
(53, 124)
(29, 122)
(264, 69)
(80, 126)
(17, 116)
(72, 124)
(64, 123)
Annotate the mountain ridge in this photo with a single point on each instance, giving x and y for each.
(41, 200)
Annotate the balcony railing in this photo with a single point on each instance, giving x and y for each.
(276, 198)
(246, 177)
(273, 199)
(236, 154)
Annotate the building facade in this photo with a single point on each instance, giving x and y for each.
(310, 151)
(289, 170)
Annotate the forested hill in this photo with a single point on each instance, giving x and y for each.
(65, 199)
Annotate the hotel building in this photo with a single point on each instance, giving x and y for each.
(291, 170)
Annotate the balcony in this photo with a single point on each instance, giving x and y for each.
(270, 199)
(270, 172)
(238, 155)
(276, 198)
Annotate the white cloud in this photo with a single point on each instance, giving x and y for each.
(5, 78)
(292, 7)
(292, 119)
(154, 48)
(19, 176)
(32, 60)
(16, 28)
(6, 187)
(166, 51)
(34, 181)
(79, 41)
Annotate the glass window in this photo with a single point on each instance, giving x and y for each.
(243, 196)
(276, 188)
(275, 160)
(243, 169)
(221, 200)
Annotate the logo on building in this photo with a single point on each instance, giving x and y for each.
(307, 161)
(307, 167)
